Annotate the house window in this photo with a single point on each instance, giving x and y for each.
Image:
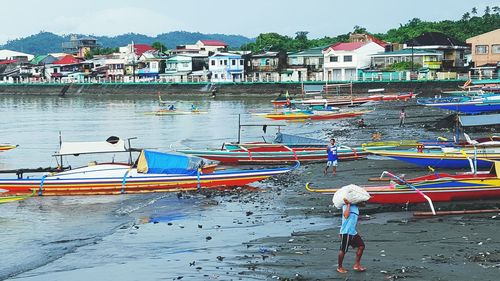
(347, 58)
(334, 59)
(220, 62)
(213, 62)
(241, 62)
(225, 62)
(495, 49)
(216, 75)
(481, 49)
(233, 62)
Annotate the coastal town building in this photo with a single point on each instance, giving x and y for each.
(265, 66)
(430, 59)
(80, 46)
(453, 50)
(186, 68)
(305, 65)
(150, 64)
(485, 53)
(342, 61)
(226, 67)
(14, 55)
(205, 47)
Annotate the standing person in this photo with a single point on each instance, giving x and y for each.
(402, 117)
(349, 236)
(331, 150)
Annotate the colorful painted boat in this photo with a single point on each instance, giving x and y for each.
(301, 116)
(12, 198)
(453, 159)
(166, 112)
(438, 187)
(268, 153)
(485, 103)
(5, 147)
(321, 101)
(154, 172)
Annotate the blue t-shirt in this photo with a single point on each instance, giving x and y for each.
(349, 224)
(332, 152)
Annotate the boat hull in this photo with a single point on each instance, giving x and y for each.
(121, 180)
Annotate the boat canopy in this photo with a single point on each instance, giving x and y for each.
(292, 139)
(76, 148)
(154, 162)
(479, 120)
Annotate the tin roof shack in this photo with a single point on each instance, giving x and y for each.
(305, 65)
(266, 66)
(486, 53)
(38, 69)
(453, 50)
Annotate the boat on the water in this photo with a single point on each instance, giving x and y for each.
(438, 187)
(151, 172)
(167, 112)
(315, 115)
(5, 147)
(11, 198)
(465, 104)
(343, 101)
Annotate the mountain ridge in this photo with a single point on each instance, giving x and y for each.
(47, 42)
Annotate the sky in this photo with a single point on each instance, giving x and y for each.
(249, 18)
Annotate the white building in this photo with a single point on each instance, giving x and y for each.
(343, 60)
(226, 67)
(204, 47)
(13, 55)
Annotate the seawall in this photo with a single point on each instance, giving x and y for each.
(267, 89)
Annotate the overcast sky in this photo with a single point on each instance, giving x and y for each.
(249, 18)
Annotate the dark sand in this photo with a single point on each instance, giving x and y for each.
(398, 245)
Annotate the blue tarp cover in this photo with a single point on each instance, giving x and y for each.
(169, 163)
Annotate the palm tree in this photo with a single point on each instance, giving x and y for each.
(474, 11)
(487, 11)
(496, 9)
(466, 16)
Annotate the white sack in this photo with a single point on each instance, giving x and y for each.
(355, 194)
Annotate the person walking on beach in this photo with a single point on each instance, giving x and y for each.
(402, 117)
(331, 151)
(349, 236)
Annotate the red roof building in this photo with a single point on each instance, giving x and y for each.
(142, 48)
(213, 43)
(346, 46)
(68, 59)
(7, 61)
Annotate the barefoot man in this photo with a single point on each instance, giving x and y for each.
(350, 237)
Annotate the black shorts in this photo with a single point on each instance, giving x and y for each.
(347, 240)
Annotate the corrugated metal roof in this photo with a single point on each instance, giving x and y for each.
(479, 120)
(312, 52)
(408, 52)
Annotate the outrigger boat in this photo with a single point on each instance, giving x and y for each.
(447, 154)
(151, 172)
(5, 147)
(439, 187)
(321, 101)
(13, 198)
(465, 104)
(167, 112)
(318, 115)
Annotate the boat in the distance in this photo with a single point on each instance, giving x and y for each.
(5, 147)
(314, 115)
(152, 172)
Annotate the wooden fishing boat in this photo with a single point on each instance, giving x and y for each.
(437, 187)
(465, 104)
(5, 147)
(321, 101)
(12, 198)
(302, 116)
(152, 172)
(166, 112)
(268, 153)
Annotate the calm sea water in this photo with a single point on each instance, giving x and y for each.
(130, 237)
(156, 236)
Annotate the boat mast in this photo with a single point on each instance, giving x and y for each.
(60, 145)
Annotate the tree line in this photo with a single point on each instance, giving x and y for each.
(469, 25)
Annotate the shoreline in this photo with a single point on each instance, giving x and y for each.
(223, 89)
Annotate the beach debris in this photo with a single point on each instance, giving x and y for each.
(192, 263)
(200, 226)
(249, 213)
(169, 223)
(220, 258)
(208, 238)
